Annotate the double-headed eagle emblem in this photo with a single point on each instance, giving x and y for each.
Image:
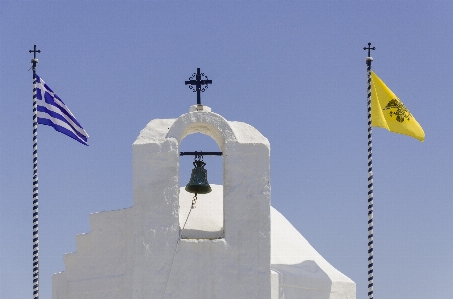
(402, 113)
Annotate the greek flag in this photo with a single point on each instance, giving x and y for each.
(53, 112)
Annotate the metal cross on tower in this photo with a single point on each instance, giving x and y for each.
(198, 84)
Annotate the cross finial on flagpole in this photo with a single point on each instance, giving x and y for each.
(369, 49)
(370, 177)
(34, 60)
(198, 83)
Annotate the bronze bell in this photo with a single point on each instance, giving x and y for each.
(198, 182)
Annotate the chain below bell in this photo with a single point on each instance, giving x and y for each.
(198, 182)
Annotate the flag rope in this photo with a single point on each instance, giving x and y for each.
(34, 61)
(370, 184)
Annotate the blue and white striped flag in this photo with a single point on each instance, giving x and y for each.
(53, 112)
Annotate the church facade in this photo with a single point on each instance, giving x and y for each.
(237, 246)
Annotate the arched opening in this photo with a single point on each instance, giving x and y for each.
(206, 219)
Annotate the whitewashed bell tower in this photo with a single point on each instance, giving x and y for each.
(137, 252)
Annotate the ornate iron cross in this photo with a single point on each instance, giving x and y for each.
(369, 48)
(198, 84)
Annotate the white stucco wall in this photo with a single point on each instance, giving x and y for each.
(134, 258)
(129, 252)
(298, 270)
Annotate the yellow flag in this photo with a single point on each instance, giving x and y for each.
(388, 112)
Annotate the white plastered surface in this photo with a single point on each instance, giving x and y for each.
(135, 253)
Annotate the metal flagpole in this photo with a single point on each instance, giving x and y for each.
(34, 61)
(369, 59)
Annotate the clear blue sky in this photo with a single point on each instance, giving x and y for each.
(294, 70)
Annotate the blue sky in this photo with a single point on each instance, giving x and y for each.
(295, 70)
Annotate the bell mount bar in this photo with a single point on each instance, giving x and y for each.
(200, 153)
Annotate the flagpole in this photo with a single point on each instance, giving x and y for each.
(34, 61)
(369, 59)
